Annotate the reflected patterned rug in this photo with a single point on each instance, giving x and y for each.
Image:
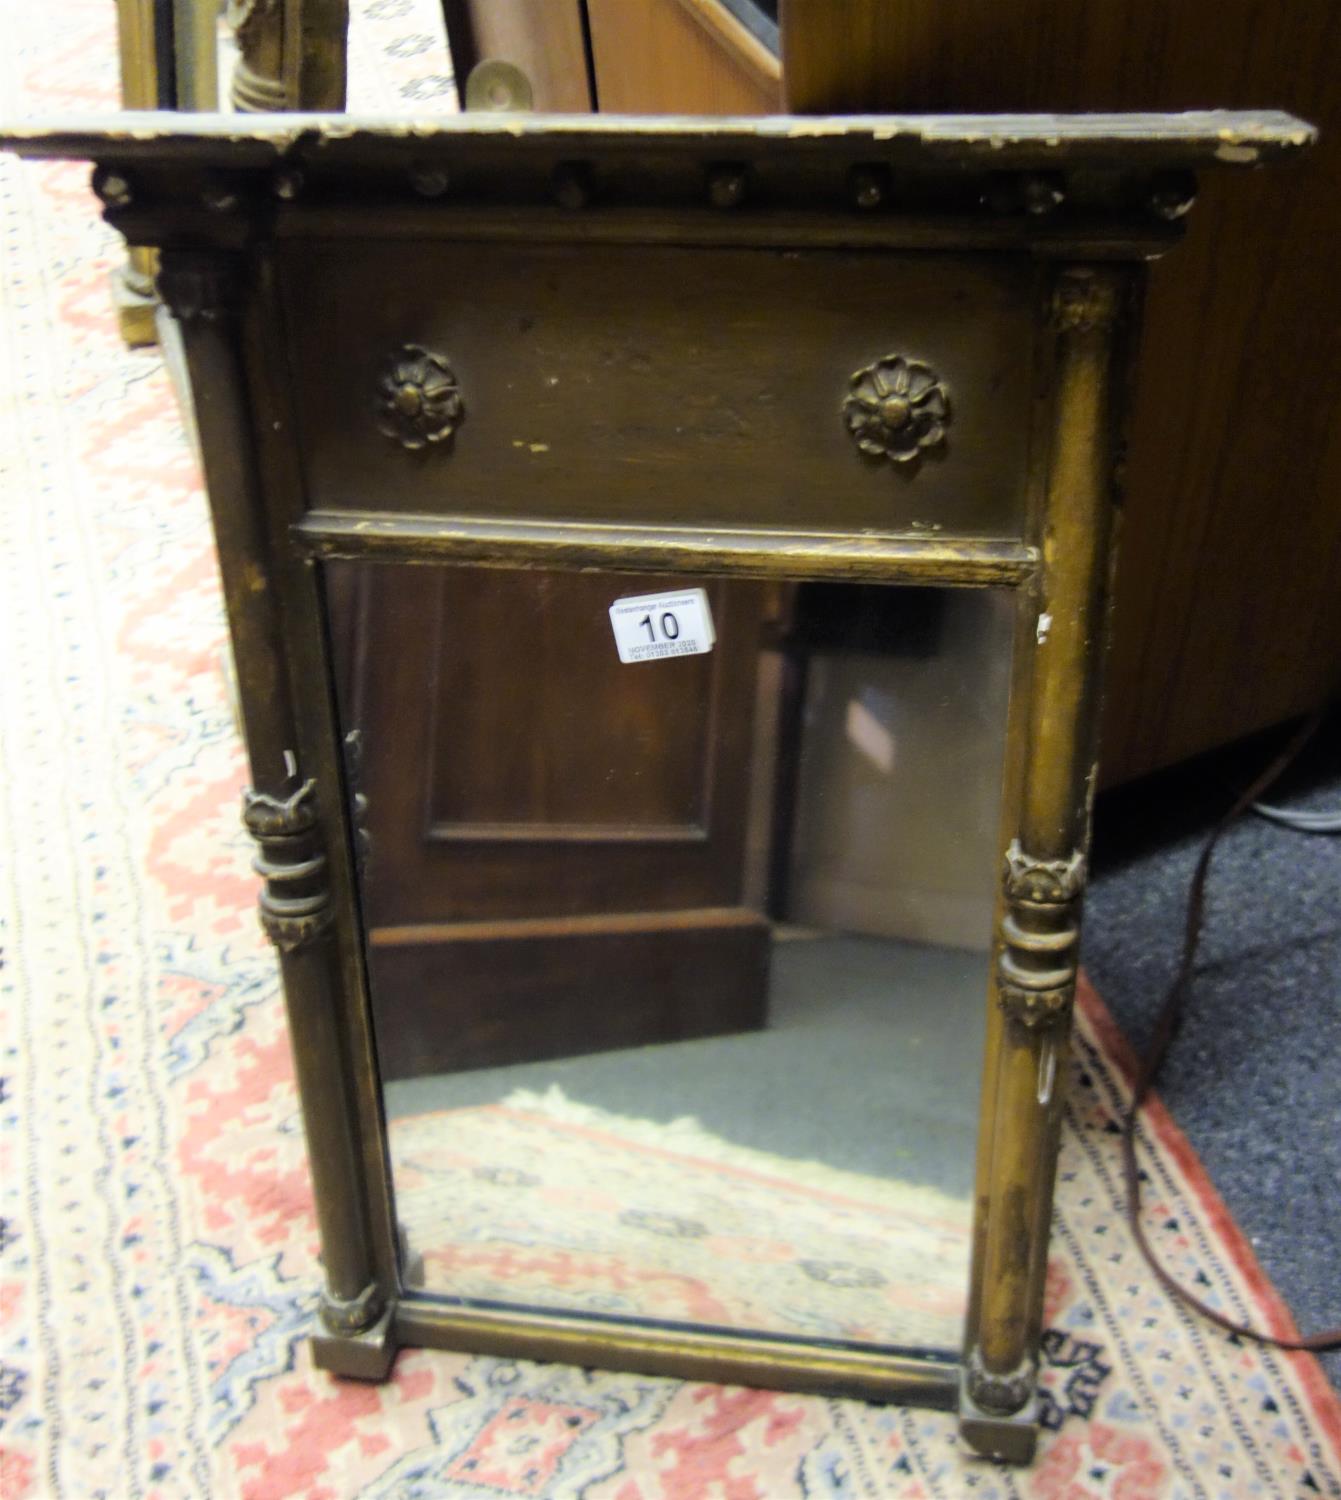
(157, 1249)
(552, 1203)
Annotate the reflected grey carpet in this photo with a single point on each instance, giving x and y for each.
(818, 1084)
(1255, 1077)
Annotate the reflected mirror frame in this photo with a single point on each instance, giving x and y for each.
(160, 184)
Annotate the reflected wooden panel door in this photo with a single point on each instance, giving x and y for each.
(555, 841)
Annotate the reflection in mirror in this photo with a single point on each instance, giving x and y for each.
(677, 922)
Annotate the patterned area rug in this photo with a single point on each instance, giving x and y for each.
(157, 1250)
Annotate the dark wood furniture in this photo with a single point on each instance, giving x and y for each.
(927, 378)
(513, 872)
(1228, 618)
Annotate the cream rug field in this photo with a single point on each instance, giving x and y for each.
(157, 1244)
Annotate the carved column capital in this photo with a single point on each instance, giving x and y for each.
(1084, 300)
(200, 285)
(295, 899)
(268, 817)
(1029, 879)
(1036, 967)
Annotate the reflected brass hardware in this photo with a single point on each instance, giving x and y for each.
(420, 402)
(897, 408)
(495, 85)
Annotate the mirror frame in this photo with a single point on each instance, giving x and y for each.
(216, 192)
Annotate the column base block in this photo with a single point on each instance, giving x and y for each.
(359, 1356)
(1008, 1440)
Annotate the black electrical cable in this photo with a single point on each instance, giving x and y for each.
(1166, 1029)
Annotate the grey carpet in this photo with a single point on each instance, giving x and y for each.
(1255, 1077)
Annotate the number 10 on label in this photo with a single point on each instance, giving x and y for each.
(652, 627)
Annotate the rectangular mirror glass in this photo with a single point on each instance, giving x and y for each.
(677, 924)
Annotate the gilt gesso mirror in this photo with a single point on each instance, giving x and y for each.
(666, 569)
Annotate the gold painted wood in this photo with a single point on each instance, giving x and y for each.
(294, 808)
(757, 553)
(1193, 138)
(195, 35)
(734, 1359)
(1052, 733)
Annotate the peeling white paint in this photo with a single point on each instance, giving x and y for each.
(1043, 627)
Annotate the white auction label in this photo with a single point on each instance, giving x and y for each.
(649, 627)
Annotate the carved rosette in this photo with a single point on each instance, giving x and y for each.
(295, 899)
(897, 408)
(352, 1315)
(419, 401)
(999, 1395)
(1036, 970)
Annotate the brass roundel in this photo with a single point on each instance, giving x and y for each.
(419, 400)
(897, 408)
